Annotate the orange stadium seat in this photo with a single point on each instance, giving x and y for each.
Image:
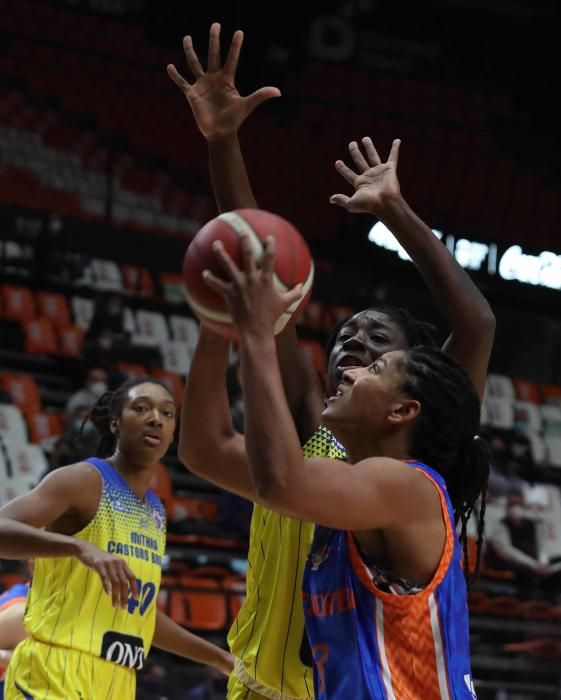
(43, 426)
(17, 303)
(201, 608)
(551, 393)
(235, 593)
(173, 381)
(196, 508)
(23, 389)
(138, 280)
(526, 390)
(39, 336)
(162, 486)
(71, 341)
(54, 307)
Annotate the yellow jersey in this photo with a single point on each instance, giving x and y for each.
(267, 637)
(67, 605)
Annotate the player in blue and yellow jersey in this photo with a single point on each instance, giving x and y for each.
(273, 658)
(97, 534)
(384, 595)
(12, 631)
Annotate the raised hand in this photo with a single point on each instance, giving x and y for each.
(375, 182)
(250, 293)
(217, 106)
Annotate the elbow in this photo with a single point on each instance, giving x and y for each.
(190, 456)
(488, 322)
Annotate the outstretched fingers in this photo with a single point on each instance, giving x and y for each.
(394, 153)
(344, 170)
(358, 159)
(178, 79)
(225, 259)
(339, 199)
(371, 152)
(192, 58)
(216, 284)
(214, 48)
(259, 96)
(233, 57)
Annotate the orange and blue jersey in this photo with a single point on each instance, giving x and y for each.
(370, 643)
(15, 594)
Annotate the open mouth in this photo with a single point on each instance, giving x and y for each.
(348, 362)
(336, 395)
(152, 439)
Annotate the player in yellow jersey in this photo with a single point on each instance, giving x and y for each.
(97, 535)
(267, 638)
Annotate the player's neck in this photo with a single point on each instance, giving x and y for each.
(138, 477)
(360, 447)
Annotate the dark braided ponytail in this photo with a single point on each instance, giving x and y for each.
(445, 435)
(109, 406)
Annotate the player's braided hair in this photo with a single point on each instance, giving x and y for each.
(445, 434)
(110, 405)
(416, 332)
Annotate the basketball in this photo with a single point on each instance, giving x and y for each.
(293, 264)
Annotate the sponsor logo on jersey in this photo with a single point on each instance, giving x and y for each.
(158, 519)
(123, 649)
(317, 558)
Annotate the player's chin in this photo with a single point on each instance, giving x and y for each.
(331, 409)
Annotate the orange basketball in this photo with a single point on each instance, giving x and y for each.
(293, 263)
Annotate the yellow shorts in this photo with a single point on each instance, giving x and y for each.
(39, 670)
(238, 691)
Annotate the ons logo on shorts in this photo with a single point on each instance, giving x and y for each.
(123, 649)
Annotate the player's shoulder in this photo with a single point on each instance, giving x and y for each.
(80, 480)
(323, 444)
(73, 474)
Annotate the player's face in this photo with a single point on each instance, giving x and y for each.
(147, 422)
(364, 337)
(365, 396)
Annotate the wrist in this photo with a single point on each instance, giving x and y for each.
(76, 548)
(212, 340)
(392, 208)
(222, 140)
(254, 334)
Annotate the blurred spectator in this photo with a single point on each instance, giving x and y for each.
(107, 331)
(512, 545)
(108, 339)
(82, 400)
(511, 462)
(153, 682)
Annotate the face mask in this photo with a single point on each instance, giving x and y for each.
(518, 512)
(97, 388)
(89, 427)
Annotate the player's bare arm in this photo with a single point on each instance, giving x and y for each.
(219, 111)
(466, 310)
(41, 522)
(171, 637)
